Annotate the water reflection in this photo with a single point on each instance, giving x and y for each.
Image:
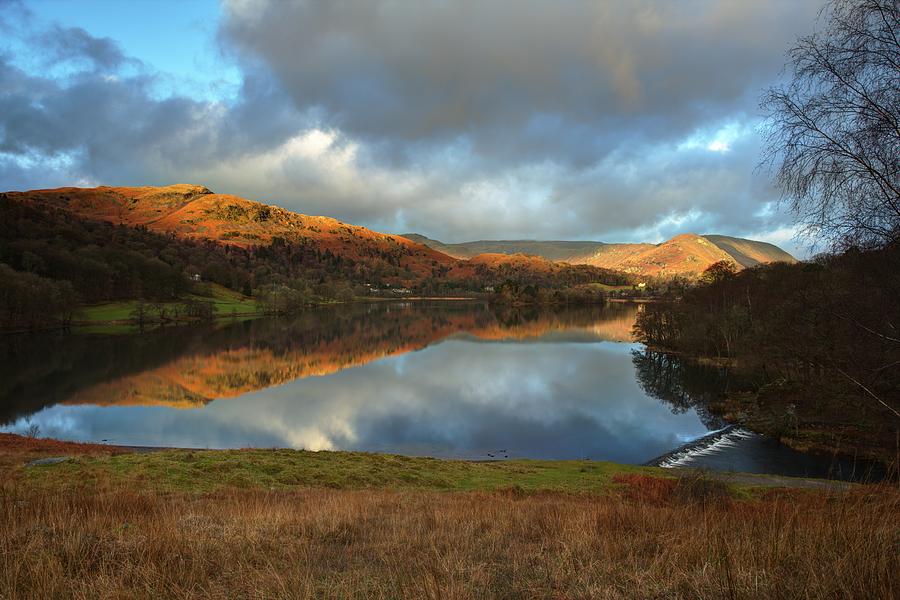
(691, 387)
(444, 379)
(683, 386)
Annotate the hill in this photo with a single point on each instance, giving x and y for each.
(687, 254)
(571, 252)
(194, 212)
(68, 246)
(750, 253)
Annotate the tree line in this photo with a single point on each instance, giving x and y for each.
(833, 322)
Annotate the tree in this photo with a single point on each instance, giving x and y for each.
(30, 300)
(833, 137)
(718, 271)
(140, 314)
(202, 310)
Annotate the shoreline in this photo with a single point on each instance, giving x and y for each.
(69, 449)
(805, 420)
(63, 451)
(75, 326)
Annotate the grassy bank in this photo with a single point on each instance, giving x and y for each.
(270, 524)
(225, 302)
(201, 471)
(205, 471)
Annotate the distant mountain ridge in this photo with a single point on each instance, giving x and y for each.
(564, 251)
(193, 212)
(685, 254)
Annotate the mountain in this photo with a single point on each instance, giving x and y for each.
(750, 253)
(571, 252)
(112, 243)
(115, 243)
(687, 254)
(194, 212)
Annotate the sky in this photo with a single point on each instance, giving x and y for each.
(513, 119)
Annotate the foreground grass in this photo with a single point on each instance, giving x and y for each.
(212, 470)
(281, 524)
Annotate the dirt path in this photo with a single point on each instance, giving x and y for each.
(778, 481)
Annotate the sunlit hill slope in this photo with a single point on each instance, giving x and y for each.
(193, 212)
(687, 254)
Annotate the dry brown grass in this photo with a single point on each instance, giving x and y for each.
(16, 446)
(650, 540)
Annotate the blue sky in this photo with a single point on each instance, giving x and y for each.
(460, 120)
(172, 38)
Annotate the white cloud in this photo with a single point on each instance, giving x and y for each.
(718, 139)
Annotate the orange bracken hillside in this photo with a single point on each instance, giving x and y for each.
(685, 254)
(516, 261)
(194, 212)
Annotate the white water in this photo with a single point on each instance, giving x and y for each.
(709, 445)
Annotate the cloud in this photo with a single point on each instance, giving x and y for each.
(74, 43)
(564, 81)
(609, 121)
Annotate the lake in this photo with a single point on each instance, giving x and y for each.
(447, 379)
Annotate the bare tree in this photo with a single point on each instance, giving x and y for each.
(833, 133)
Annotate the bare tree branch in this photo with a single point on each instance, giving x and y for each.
(871, 393)
(833, 136)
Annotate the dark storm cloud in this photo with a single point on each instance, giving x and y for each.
(722, 186)
(566, 81)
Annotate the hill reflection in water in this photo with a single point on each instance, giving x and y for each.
(444, 379)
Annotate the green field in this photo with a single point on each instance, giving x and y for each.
(209, 470)
(225, 301)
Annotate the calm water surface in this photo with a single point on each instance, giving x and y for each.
(457, 379)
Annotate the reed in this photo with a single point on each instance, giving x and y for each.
(642, 539)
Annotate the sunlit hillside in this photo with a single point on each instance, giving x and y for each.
(687, 254)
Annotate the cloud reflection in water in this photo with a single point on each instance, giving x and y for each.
(561, 392)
